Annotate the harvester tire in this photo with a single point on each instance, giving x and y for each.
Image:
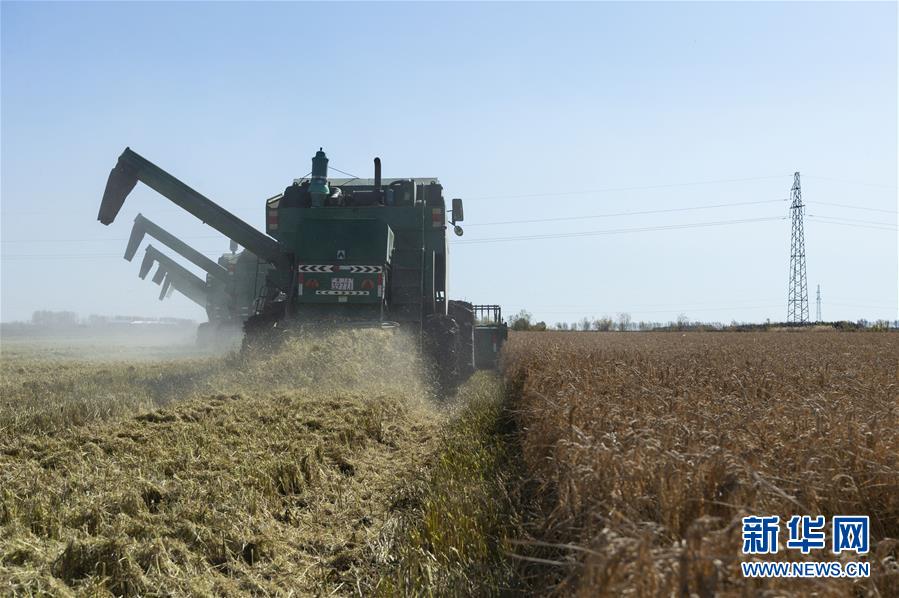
(261, 333)
(442, 346)
(463, 313)
(205, 333)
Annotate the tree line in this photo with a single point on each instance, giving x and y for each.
(622, 322)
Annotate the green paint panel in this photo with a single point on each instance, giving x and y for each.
(343, 242)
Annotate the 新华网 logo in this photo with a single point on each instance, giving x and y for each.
(849, 533)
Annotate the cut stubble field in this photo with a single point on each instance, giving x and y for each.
(275, 474)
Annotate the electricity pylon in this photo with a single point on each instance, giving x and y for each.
(797, 296)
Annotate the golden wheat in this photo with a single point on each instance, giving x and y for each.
(649, 449)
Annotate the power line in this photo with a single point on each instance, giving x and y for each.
(535, 220)
(819, 220)
(62, 256)
(217, 253)
(825, 219)
(485, 240)
(855, 220)
(863, 183)
(70, 214)
(103, 240)
(641, 188)
(59, 257)
(616, 214)
(842, 205)
(618, 231)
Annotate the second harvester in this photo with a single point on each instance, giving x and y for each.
(227, 292)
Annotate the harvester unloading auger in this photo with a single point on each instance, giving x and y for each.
(357, 252)
(172, 274)
(227, 294)
(143, 226)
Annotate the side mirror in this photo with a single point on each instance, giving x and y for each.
(458, 213)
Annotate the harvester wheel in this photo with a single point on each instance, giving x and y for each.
(463, 313)
(261, 333)
(205, 332)
(442, 347)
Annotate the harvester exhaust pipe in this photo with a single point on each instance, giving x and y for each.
(377, 175)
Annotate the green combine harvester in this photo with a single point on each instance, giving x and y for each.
(228, 291)
(338, 252)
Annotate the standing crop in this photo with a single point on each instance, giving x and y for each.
(648, 449)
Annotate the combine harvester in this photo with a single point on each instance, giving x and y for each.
(352, 252)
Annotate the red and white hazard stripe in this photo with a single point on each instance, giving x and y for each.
(327, 268)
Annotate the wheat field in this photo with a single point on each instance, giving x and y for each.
(597, 464)
(647, 449)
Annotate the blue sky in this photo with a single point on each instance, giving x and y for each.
(526, 111)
